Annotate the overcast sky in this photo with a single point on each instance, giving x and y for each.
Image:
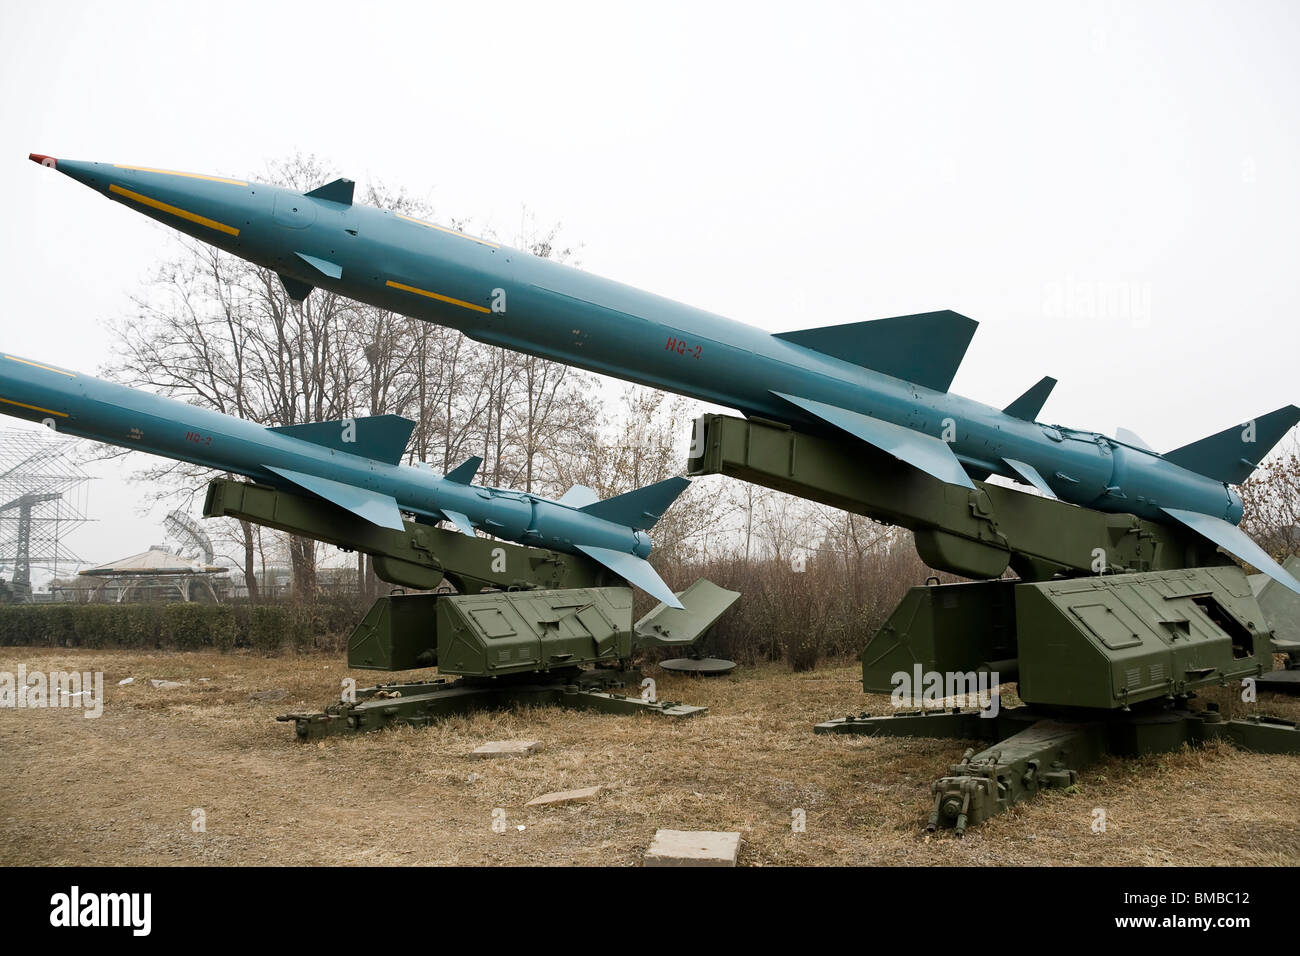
(1112, 190)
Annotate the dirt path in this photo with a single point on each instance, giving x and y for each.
(121, 789)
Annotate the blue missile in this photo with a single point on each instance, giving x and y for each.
(353, 463)
(883, 383)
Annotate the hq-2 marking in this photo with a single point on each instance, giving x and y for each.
(198, 438)
(682, 348)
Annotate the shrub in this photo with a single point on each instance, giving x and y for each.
(265, 627)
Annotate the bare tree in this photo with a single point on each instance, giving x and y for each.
(1271, 503)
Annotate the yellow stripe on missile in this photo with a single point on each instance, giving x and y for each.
(48, 368)
(451, 232)
(174, 210)
(434, 295)
(170, 172)
(35, 408)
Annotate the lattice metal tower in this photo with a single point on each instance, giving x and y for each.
(42, 499)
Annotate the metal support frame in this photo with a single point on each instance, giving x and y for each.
(976, 534)
(530, 627)
(419, 704)
(1034, 749)
(1105, 662)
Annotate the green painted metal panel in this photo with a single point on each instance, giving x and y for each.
(977, 534)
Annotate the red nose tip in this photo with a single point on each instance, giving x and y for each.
(49, 161)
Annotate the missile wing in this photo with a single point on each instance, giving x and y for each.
(926, 348)
(1230, 456)
(930, 454)
(640, 509)
(636, 570)
(376, 508)
(381, 437)
(1236, 542)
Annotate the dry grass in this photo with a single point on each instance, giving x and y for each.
(120, 789)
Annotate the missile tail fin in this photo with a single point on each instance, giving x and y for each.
(929, 454)
(1031, 475)
(639, 509)
(634, 570)
(1233, 454)
(579, 496)
(378, 509)
(331, 270)
(925, 349)
(1028, 405)
(464, 473)
(297, 289)
(1236, 542)
(461, 521)
(381, 437)
(339, 191)
(1130, 437)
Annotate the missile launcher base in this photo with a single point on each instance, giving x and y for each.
(532, 627)
(1106, 663)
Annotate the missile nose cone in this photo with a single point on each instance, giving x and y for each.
(100, 177)
(80, 171)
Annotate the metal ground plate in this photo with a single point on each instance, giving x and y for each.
(706, 666)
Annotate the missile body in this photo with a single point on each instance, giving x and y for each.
(354, 463)
(884, 382)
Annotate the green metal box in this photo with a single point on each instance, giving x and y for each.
(949, 628)
(1114, 641)
(397, 634)
(498, 633)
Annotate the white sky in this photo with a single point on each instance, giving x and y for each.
(788, 166)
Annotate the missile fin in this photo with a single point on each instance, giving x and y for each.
(1028, 405)
(381, 437)
(1132, 438)
(1232, 454)
(634, 570)
(579, 496)
(339, 191)
(298, 290)
(378, 509)
(326, 268)
(639, 509)
(1236, 542)
(929, 454)
(464, 473)
(1031, 475)
(925, 349)
(461, 521)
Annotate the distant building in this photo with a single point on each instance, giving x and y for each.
(153, 575)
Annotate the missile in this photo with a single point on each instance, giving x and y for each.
(353, 463)
(883, 383)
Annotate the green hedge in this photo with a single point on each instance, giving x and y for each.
(181, 627)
